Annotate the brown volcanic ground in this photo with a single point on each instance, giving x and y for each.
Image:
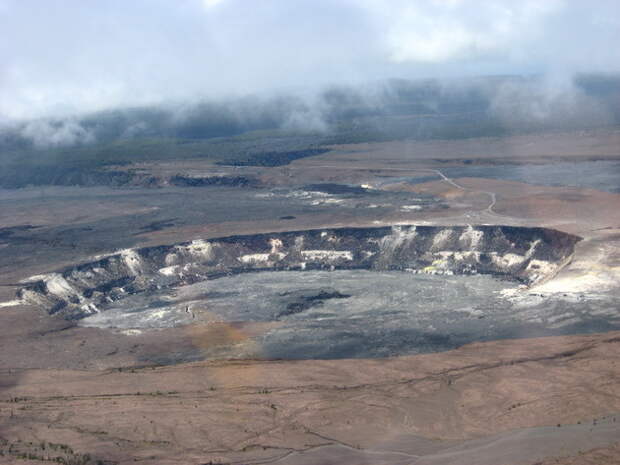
(495, 403)
(437, 406)
(600, 455)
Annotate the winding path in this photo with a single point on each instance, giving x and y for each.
(492, 195)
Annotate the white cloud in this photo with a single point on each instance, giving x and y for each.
(70, 55)
(212, 3)
(45, 133)
(437, 31)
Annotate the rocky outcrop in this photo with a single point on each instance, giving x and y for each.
(527, 255)
(215, 180)
(13, 178)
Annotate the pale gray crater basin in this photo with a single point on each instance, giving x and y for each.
(333, 293)
(355, 313)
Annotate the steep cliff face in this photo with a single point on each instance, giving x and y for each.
(528, 255)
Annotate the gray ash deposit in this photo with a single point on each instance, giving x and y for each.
(350, 313)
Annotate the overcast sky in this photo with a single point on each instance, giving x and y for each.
(63, 56)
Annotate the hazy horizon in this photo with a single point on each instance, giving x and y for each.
(70, 57)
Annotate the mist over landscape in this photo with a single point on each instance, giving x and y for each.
(203, 73)
(506, 102)
(167, 69)
(339, 70)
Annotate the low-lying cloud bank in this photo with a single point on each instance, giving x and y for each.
(399, 108)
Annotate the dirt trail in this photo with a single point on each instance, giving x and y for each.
(492, 195)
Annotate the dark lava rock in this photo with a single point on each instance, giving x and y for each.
(339, 189)
(299, 301)
(231, 181)
(6, 233)
(157, 226)
(272, 158)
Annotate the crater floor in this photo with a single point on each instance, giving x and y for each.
(356, 313)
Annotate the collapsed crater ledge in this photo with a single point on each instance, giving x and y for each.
(528, 255)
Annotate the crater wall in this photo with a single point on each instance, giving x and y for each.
(527, 255)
